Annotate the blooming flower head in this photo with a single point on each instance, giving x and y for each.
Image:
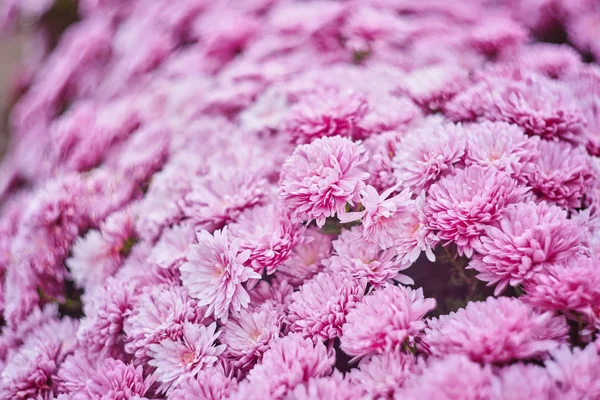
(289, 362)
(306, 259)
(502, 146)
(527, 238)
(576, 371)
(496, 330)
(159, 313)
(319, 309)
(562, 174)
(382, 375)
(215, 273)
(209, 384)
(365, 261)
(518, 381)
(571, 286)
(248, 336)
(176, 359)
(423, 156)
(318, 179)
(449, 378)
(326, 112)
(172, 247)
(268, 235)
(334, 387)
(385, 320)
(460, 206)
(413, 234)
(378, 215)
(115, 380)
(381, 149)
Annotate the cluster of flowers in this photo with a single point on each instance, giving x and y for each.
(233, 199)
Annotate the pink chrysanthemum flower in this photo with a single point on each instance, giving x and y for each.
(215, 273)
(115, 380)
(552, 60)
(268, 235)
(496, 35)
(576, 371)
(159, 313)
(248, 336)
(278, 290)
(318, 179)
(381, 149)
(502, 146)
(176, 359)
(523, 381)
(334, 387)
(318, 310)
(209, 384)
(326, 112)
(562, 174)
(413, 235)
(450, 378)
(385, 320)
(527, 238)
(378, 215)
(496, 330)
(460, 206)
(289, 362)
(172, 247)
(365, 261)
(572, 286)
(423, 156)
(384, 374)
(306, 259)
(540, 106)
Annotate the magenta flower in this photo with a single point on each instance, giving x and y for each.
(268, 235)
(496, 331)
(318, 179)
(562, 174)
(334, 387)
(527, 238)
(519, 381)
(215, 273)
(209, 384)
(413, 235)
(424, 156)
(576, 371)
(306, 259)
(171, 249)
(319, 309)
(381, 149)
(326, 112)
(382, 375)
(385, 320)
(460, 206)
(176, 359)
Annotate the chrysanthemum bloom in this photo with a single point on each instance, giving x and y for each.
(159, 313)
(214, 274)
(115, 380)
(378, 215)
(539, 105)
(496, 330)
(176, 359)
(381, 149)
(385, 320)
(268, 234)
(527, 238)
(306, 259)
(365, 261)
(319, 179)
(423, 156)
(496, 35)
(572, 286)
(172, 247)
(576, 371)
(326, 112)
(502, 146)
(249, 335)
(450, 378)
(222, 195)
(289, 362)
(460, 206)
(334, 387)
(106, 309)
(432, 86)
(552, 60)
(413, 235)
(318, 310)
(383, 374)
(562, 174)
(278, 290)
(523, 381)
(209, 384)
